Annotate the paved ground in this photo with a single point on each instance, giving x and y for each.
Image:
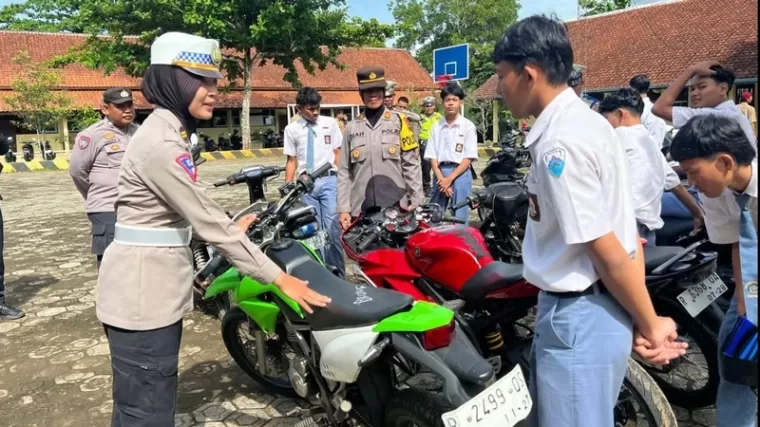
(54, 363)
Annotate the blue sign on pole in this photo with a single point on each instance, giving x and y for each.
(452, 61)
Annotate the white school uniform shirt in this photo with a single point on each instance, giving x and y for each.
(655, 126)
(327, 137)
(454, 142)
(721, 213)
(579, 191)
(648, 172)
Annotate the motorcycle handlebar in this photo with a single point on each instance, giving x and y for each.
(449, 218)
(365, 244)
(321, 171)
(253, 173)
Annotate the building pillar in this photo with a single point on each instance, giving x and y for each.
(495, 120)
(229, 119)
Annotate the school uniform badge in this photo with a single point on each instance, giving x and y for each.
(460, 148)
(328, 140)
(185, 161)
(555, 161)
(84, 141)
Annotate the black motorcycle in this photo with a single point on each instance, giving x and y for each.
(272, 139)
(224, 143)
(682, 283)
(208, 143)
(236, 141)
(28, 150)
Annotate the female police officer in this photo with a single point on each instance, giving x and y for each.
(144, 286)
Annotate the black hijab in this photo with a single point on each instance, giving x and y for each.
(172, 88)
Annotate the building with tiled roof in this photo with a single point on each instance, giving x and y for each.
(270, 99)
(661, 40)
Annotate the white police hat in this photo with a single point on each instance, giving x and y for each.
(192, 53)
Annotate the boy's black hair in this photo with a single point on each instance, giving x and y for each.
(641, 83)
(723, 75)
(627, 98)
(706, 136)
(541, 41)
(403, 99)
(308, 96)
(453, 88)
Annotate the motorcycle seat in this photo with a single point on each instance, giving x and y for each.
(654, 256)
(493, 277)
(352, 305)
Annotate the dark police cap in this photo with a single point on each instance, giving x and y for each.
(371, 77)
(117, 95)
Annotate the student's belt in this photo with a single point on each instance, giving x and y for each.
(152, 237)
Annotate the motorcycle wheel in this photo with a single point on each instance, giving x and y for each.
(245, 358)
(702, 332)
(411, 407)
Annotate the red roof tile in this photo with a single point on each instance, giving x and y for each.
(661, 40)
(399, 66)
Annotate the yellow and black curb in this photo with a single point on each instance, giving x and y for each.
(63, 164)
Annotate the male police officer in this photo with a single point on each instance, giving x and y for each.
(95, 163)
(380, 160)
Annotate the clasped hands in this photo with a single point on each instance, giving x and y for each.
(658, 344)
(444, 186)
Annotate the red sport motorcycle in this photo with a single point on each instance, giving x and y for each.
(451, 265)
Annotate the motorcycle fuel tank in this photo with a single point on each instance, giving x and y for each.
(448, 255)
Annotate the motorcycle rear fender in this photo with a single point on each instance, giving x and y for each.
(455, 391)
(423, 317)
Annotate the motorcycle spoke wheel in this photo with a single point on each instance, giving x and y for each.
(241, 344)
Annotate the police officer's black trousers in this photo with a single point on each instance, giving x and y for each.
(144, 367)
(103, 228)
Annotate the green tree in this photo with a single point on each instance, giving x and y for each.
(595, 7)
(35, 98)
(83, 118)
(425, 25)
(251, 32)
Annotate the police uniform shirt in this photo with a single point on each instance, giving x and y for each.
(579, 191)
(327, 138)
(649, 174)
(452, 142)
(655, 125)
(378, 167)
(721, 213)
(95, 161)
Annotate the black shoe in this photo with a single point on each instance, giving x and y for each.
(10, 313)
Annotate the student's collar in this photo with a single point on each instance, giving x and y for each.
(457, 121)
(564, 98)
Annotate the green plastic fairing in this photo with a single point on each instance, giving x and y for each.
(423, 316)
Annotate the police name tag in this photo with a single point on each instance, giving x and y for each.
(697, 297)
(503, 404)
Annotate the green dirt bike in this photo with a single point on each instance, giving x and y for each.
(349, 358)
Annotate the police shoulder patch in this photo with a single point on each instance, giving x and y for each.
(83, 141)
(555, 161)
(185, 161)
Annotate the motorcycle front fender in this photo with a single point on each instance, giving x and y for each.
(229, 281)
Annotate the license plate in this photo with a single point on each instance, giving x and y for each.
(319, 240)
(503, 404)
(697, 297)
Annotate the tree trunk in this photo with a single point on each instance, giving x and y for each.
(245, 110)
